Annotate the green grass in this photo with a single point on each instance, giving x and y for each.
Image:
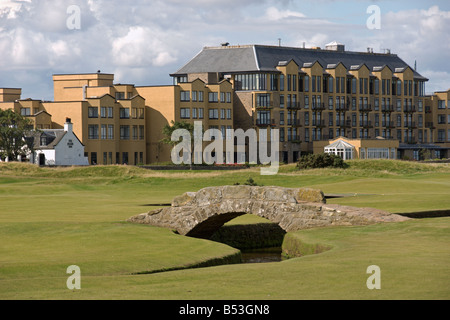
(52, 218)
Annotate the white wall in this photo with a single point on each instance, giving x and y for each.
(70, 156)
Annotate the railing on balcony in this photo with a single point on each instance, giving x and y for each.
(265, 122)
(410, 125)
(388, 124)
(343, 108)
(409, 109)
(293, 105)
(318, 123)
(387, 108)
(293, 139)
(344, 123)
(264, 104)
(366, 124)
(318, 106)
(294, 122)
(430, 125)
(365, 108)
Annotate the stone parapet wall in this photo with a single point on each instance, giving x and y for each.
(200, 214)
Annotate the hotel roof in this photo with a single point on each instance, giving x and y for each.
(259, 58)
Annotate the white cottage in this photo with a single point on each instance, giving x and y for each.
(58, 147)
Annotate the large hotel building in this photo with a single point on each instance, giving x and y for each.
(359, 104)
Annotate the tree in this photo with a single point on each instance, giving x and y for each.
(168, 130)
(13, 131)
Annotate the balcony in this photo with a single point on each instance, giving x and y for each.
(318, 107)
(342, 108)
(294, 139)
(318, 123)
(409, 109)
(366, 108)
(430, 125)
(264, 105)
(293, 106)
(265, 122)
(389, 124)
(366, 124)
(344, 123)
(387, 109)
(410, 125)
(294, 122)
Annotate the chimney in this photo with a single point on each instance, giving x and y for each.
(68, 126)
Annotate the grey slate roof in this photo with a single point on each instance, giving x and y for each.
(254, 58)
(53, 137)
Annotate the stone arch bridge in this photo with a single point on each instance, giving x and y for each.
(202, 213)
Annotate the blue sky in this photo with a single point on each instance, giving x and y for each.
(141, 42)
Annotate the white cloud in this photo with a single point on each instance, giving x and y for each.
(144, 41)
(274, 14)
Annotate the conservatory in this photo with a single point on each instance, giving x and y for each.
(342, 149)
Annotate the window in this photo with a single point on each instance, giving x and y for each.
(213, 97)
(353, 86)
(306, 102)
(103, 112)
(200, 96)
(194, 113)
(306, 83)
(185, 113)
(104, 133)
(229, 114)
(274, 82)
(200, 113)
(194, 96)
(110, 112)
(222, 114)
(141, 133)
(228, 97)
(92, 112)
(441, 119)
(313, 88)
(399, 87)
(281, 100)
(263, 100)
(93, 131)
(281, 118)
(120, 95)
(441, 135)
(252, 82)
(330, 84)
(441, 104)
(94, 158)
(282, 80)
(125, 158)
(135, 132)
(213, 114)
(185, 96)
(342, 85)
(377, 86)
(25, 111)
(124, 113)
(110, 131)
(124, 132)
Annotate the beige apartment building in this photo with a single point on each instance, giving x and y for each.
(313, 96)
